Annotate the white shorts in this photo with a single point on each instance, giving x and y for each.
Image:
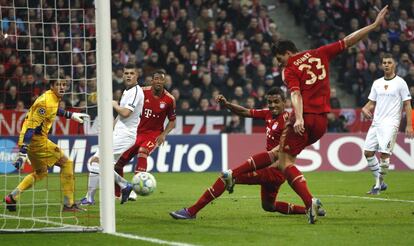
(121, 142)
(381, 139)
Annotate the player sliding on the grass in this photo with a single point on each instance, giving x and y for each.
(270, 179)
(43, 153)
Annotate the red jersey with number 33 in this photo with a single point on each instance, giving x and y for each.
(308, 72)
(155, 110)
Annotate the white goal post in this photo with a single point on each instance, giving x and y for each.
(104, 65)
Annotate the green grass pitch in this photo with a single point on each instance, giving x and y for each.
(353, 218)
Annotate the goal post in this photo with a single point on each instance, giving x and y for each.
(55, 39)
(104, 66)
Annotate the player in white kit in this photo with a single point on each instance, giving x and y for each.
(125, 130)
(388, 96)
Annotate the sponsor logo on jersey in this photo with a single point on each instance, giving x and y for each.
(385, 87)
(275, 125)
(162, 105)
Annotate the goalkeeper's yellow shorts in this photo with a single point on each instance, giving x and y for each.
(43, 153)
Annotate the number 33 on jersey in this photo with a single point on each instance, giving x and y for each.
(308, 72)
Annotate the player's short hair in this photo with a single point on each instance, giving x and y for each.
(283, 46)
(159, 72)
(130, 66)
(388, 55)
(274, 91)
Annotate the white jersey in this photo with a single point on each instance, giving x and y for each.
(389, 95)
(132, 99)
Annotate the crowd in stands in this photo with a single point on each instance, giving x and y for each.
(206, 47)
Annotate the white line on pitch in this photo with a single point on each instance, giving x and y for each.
(149, 239)
(338, 196)
(37, 220)
(369, 198)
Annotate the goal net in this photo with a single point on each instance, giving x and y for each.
(40, 41)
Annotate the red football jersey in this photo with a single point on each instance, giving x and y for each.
(155, 110)
(308, 72)
(274, 126)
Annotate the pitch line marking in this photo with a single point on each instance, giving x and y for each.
(369, 198)
(150, 239)
(40, 220)
(338, 196)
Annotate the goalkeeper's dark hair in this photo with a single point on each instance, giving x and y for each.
(283, 46)
(52, 82)
(274, 91)
(162, 73)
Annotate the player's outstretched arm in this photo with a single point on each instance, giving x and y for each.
(356, 36)
(79, 117)
(408, 114)
(234, 108)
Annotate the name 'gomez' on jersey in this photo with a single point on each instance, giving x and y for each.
(155, 110)
(274, 126)
(308, 72)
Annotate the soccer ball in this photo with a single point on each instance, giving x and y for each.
(144, 183)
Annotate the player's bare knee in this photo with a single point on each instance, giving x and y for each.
(368, 154)
(282, 166)
(94, 159)
(268, 207)
(384, 156)
(142, 152)
(274, 153)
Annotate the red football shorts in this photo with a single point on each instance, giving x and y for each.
(143, 140)
(147, 141)
(315, 126)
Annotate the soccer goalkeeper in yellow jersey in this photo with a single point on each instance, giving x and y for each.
(42, 152)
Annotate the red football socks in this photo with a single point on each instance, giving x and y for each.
(256, 162)
(120, 171)
(289, 208)
(209, 195)
(298, 184)
(142, 165)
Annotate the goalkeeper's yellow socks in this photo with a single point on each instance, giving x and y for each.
(67, 182)
(25, 184)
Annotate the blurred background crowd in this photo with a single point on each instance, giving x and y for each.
(206, 47)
